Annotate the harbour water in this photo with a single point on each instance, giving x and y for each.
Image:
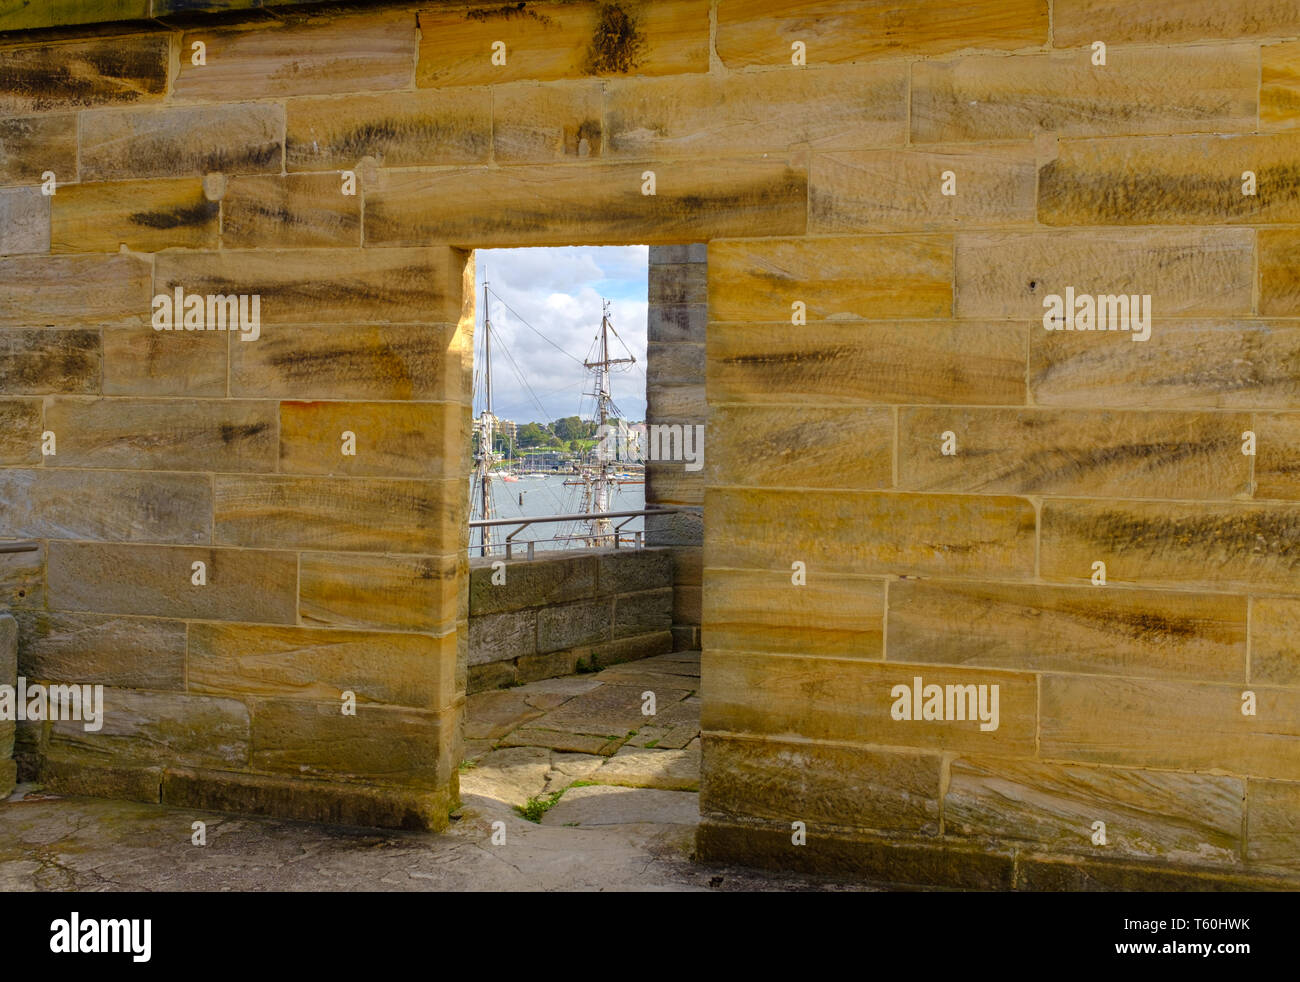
(548, 495)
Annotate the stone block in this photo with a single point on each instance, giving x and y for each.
(1279, 280)
(143, 216)
(108, 505)
(1235, 546)
(337, 513)
(563, 626)
(110, 71)
(300, 210)
(1188, 726)
(36, 361)
(815, 783)
(502, 637)
(542, 582)
(1279, 87)
(157, 581)
(1095, 453)
(391, 439)
(251, 661)
(31, 145)
(172, 435)
(1277, 463)
(872, 533)
(761, 610)
(539, 124)
(75, 291)
(643, 613)
(1026, 627)
(188, 141)
(1273, 825)
(22, 578)
(1185, 272)
(861, 277)
(20, 431)
(73, 774)
(1207, 89)
(398, 129)
(103, 649)
(405, 593)
(677, 322)
(1075, 21)
(1274, 626)
(24, 221)
(629, 571)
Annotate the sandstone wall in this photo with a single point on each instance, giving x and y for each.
(817, 184)
(560, 614)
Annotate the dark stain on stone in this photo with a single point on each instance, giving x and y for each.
(428, 570)
(617, 44)
(230, 432)
(181, 216)
(119, 71)
(378, 137)
(1216, 536)
(1148, 625)
(509, 11)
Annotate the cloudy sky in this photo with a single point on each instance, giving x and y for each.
(558, 292)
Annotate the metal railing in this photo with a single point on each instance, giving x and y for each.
(27, 546)
(637, 539)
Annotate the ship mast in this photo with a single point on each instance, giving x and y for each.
(486, 421)
(597, 491)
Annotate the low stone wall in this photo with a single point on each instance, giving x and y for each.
(565, 612)
(8, 676)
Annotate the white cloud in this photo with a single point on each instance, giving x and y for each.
(559, 292)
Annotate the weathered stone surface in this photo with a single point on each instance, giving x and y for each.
(678, 283)
(638, 569)
(300, 210)
(1279, 87)
(308, 801)
(398, 129)
(25, 15)
(22, 578)
(392, 439)
(552, 40)
(158, 727)
(103, 649)
(761, 610)
(1186, 272)
(1187, 364)
(40, 361)
(760, 32)
(865, 191)
(323, 288)
(1273, 824)
(512, 775)
(111, 71)
(340, 54)
(619, 650)
(613, 710)
(810, 782)
(1042, 872)
(569, 625)
(408, 593)
(24, 221)
(366, 515)
(1274, 626)
(696, 252)
(158, 581)
(550, 664)
(643, 613)
(543, 581)
(20, 431)
(1178, 817)
(1277, 463)
(820, 109)
(1228, 546)
(599, 203)
(597, 806)
(343, 361)
(677, 322)
(74, 775)
(242, 138)
(491, 715)
(850, 700)
(140, 361)
(31, 145)
(1192, 180)
(312, 663)
(1093, 453)
(171, 435)
(1279, 280)
(71, 291)
(502, 637)
(8, 676)
(1076, 21)
(1068, 629)
(542, 123)
(867, 277)
(855, 364)
(641, 767)
(870, 532)
(1141, 90)
(107, 505)
(771, 447)
(144, 216)
(380, 744)
(1145, 724)
(680, 363)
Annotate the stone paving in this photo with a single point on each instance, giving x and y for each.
(613, 807)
